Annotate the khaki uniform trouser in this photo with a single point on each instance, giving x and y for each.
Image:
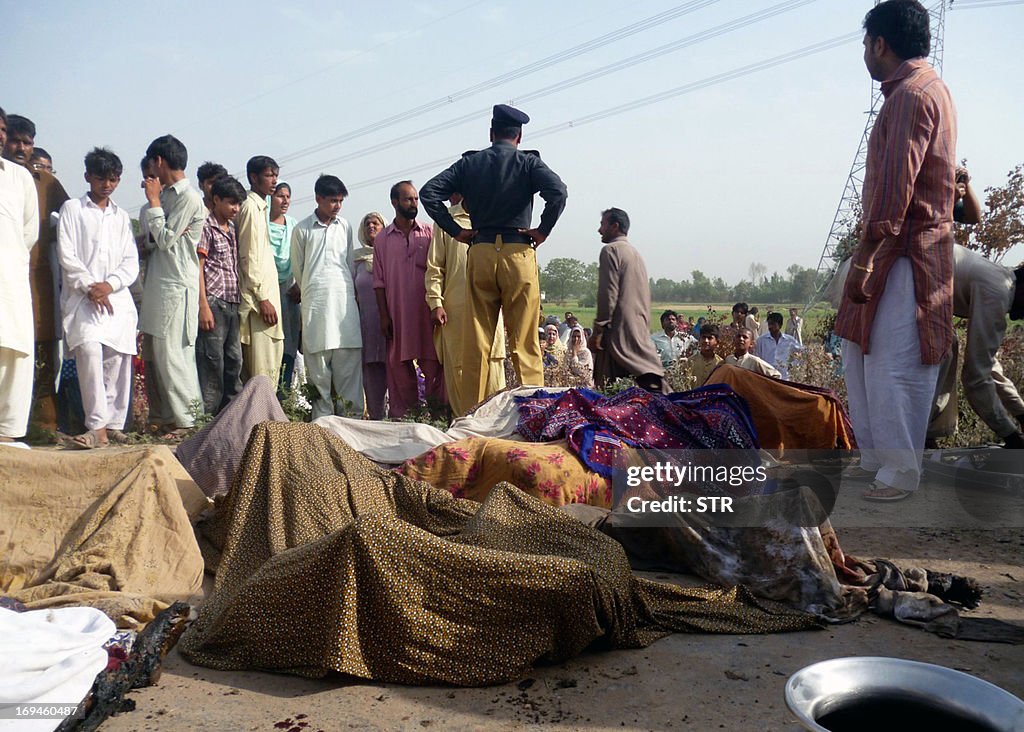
(455, 384)
(501, 277)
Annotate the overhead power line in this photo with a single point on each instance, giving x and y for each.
(963, 5)
(597, 73)
(557, 58)
(631, 106)
(617, 34)
(704, 83)
(348, 59)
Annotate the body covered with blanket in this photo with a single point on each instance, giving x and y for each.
(333, 564)
(109, 529)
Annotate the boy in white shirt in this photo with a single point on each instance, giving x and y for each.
(99, 261)
(323, 260)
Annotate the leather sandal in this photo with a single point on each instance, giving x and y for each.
(86, 441)
(882, 493)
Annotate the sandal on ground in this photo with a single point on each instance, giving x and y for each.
(176, 434)
(882, 493)
(117, 436)
(85, 441)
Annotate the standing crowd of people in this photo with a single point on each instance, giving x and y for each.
(768, 351)
(234, 286)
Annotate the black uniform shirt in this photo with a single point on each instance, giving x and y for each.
(498, 184)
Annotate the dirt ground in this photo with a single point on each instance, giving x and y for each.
(700, 682)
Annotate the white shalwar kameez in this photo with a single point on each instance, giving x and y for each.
(19, 230)
(96, 245)
(323, 262)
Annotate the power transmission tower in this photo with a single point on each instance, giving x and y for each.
(841, 237)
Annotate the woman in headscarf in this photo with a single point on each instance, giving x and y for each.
(578, 358)
(374, 345)
(281, 227)
(552, 347)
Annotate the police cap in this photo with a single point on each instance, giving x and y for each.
(506, 116)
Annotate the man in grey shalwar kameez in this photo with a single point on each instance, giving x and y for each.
(170, 300)
(622, 343)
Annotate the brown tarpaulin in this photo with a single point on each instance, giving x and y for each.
(108, 529)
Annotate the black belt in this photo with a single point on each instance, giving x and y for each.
(487, 236)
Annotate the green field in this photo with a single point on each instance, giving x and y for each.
(686, 310)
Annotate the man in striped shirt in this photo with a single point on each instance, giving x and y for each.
(898, 302)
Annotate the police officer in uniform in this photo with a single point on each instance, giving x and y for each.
(498, 185)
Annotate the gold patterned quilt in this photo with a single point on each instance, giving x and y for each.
(333, 564)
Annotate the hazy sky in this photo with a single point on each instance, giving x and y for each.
(729, 172)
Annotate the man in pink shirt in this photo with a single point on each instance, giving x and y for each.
(399, 269)
(898, 302)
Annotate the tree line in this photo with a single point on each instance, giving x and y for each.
(1001, 228)
(565, 279)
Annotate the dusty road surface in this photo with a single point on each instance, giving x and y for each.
(700, 682)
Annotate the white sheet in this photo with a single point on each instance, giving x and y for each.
(396, 442)
(49, 658)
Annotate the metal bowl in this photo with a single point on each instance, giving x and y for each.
(881, 693)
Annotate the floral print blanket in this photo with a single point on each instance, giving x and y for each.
(471, 467)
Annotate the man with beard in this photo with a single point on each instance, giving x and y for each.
(399, 275)
(898, 299)
(43, 271)
(622, 342)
